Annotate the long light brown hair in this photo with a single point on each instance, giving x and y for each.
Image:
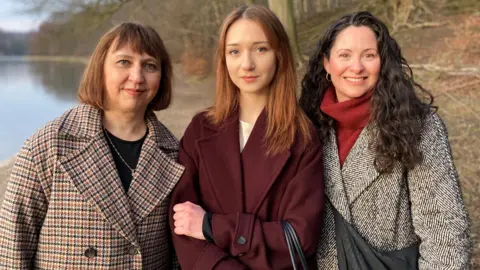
(285, 119)
(143, 39)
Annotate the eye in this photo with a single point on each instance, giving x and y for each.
(123, 62)
(261, 49)
(233, 52)
(370, 55)
(343, 55)
(150, 67)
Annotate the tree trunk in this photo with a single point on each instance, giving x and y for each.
(299, 12)
(308, 8)
(284, 11)
(401, 12)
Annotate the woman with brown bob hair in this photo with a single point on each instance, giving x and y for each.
(252, 160)
(90, 189)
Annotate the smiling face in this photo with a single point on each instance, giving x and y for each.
(250, 59)
(131, 80)
(354, 63)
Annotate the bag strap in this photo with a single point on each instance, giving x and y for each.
(291, 249)
(294, 245)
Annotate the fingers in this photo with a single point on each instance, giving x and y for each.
(188, 219)
(186, 206)
(178, 207)
(181, 223)
(180, 231)
(179, 215)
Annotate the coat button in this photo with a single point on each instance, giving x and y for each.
(90, 252)
(133, 250)
(241, 240)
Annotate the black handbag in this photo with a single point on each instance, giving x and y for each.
(294, 247)
(354, 253)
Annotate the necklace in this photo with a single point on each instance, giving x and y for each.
(118, 153)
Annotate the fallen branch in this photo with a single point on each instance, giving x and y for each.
(396, 28)
(449, 70)
(425, 24)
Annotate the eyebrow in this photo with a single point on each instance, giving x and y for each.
(367, 49)
(254, 43)
(130, 57)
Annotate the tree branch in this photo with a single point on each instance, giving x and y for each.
(450, 70)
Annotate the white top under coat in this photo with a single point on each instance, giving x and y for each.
(245, 130)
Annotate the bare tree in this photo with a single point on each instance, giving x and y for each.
(284, 11)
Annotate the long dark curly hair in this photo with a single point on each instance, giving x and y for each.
(397, 111)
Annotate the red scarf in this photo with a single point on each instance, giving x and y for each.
(351, 117)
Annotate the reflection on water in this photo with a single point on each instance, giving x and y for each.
(59, 79)
(32, 94)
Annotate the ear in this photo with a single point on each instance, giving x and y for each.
(326, 64)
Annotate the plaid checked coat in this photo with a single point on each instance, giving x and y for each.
(65, 207)
(399, 209)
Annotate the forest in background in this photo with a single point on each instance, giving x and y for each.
(13, 43)
(189, 27)
(439, 38)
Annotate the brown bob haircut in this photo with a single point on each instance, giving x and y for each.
(285, 119)
(142, 39)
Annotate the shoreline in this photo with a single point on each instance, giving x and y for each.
(49, 58)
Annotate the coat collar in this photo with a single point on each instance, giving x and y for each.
(344, 185)
(85, 121)
(220, 152)
(93, 172)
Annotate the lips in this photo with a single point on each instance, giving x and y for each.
(355, 79)
(249, 79)
(133, 92)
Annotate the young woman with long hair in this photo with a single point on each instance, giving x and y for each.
(252, 160)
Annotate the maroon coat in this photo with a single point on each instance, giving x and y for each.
(249, 195)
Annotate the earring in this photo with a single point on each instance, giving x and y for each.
(326, 77)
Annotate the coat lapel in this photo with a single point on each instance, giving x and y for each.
(157, 172)
(220, 153)
(260, 170)
(358, 170)
(221, 156)
(334, 186)
(92, 170)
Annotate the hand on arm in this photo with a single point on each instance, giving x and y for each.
(189, 220)
(193, 253)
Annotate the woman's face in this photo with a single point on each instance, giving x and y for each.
(251, 61)
(131, 80)
(354, 64)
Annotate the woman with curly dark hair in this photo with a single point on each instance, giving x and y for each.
(394, 200)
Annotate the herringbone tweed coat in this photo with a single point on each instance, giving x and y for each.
(399, 209)
(65, 207)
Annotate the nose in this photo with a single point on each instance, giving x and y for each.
(357, 65)
(248, 62)
(136, 74)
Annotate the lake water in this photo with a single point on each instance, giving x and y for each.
(33, 93)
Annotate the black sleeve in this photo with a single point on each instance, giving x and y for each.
(207, 227)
